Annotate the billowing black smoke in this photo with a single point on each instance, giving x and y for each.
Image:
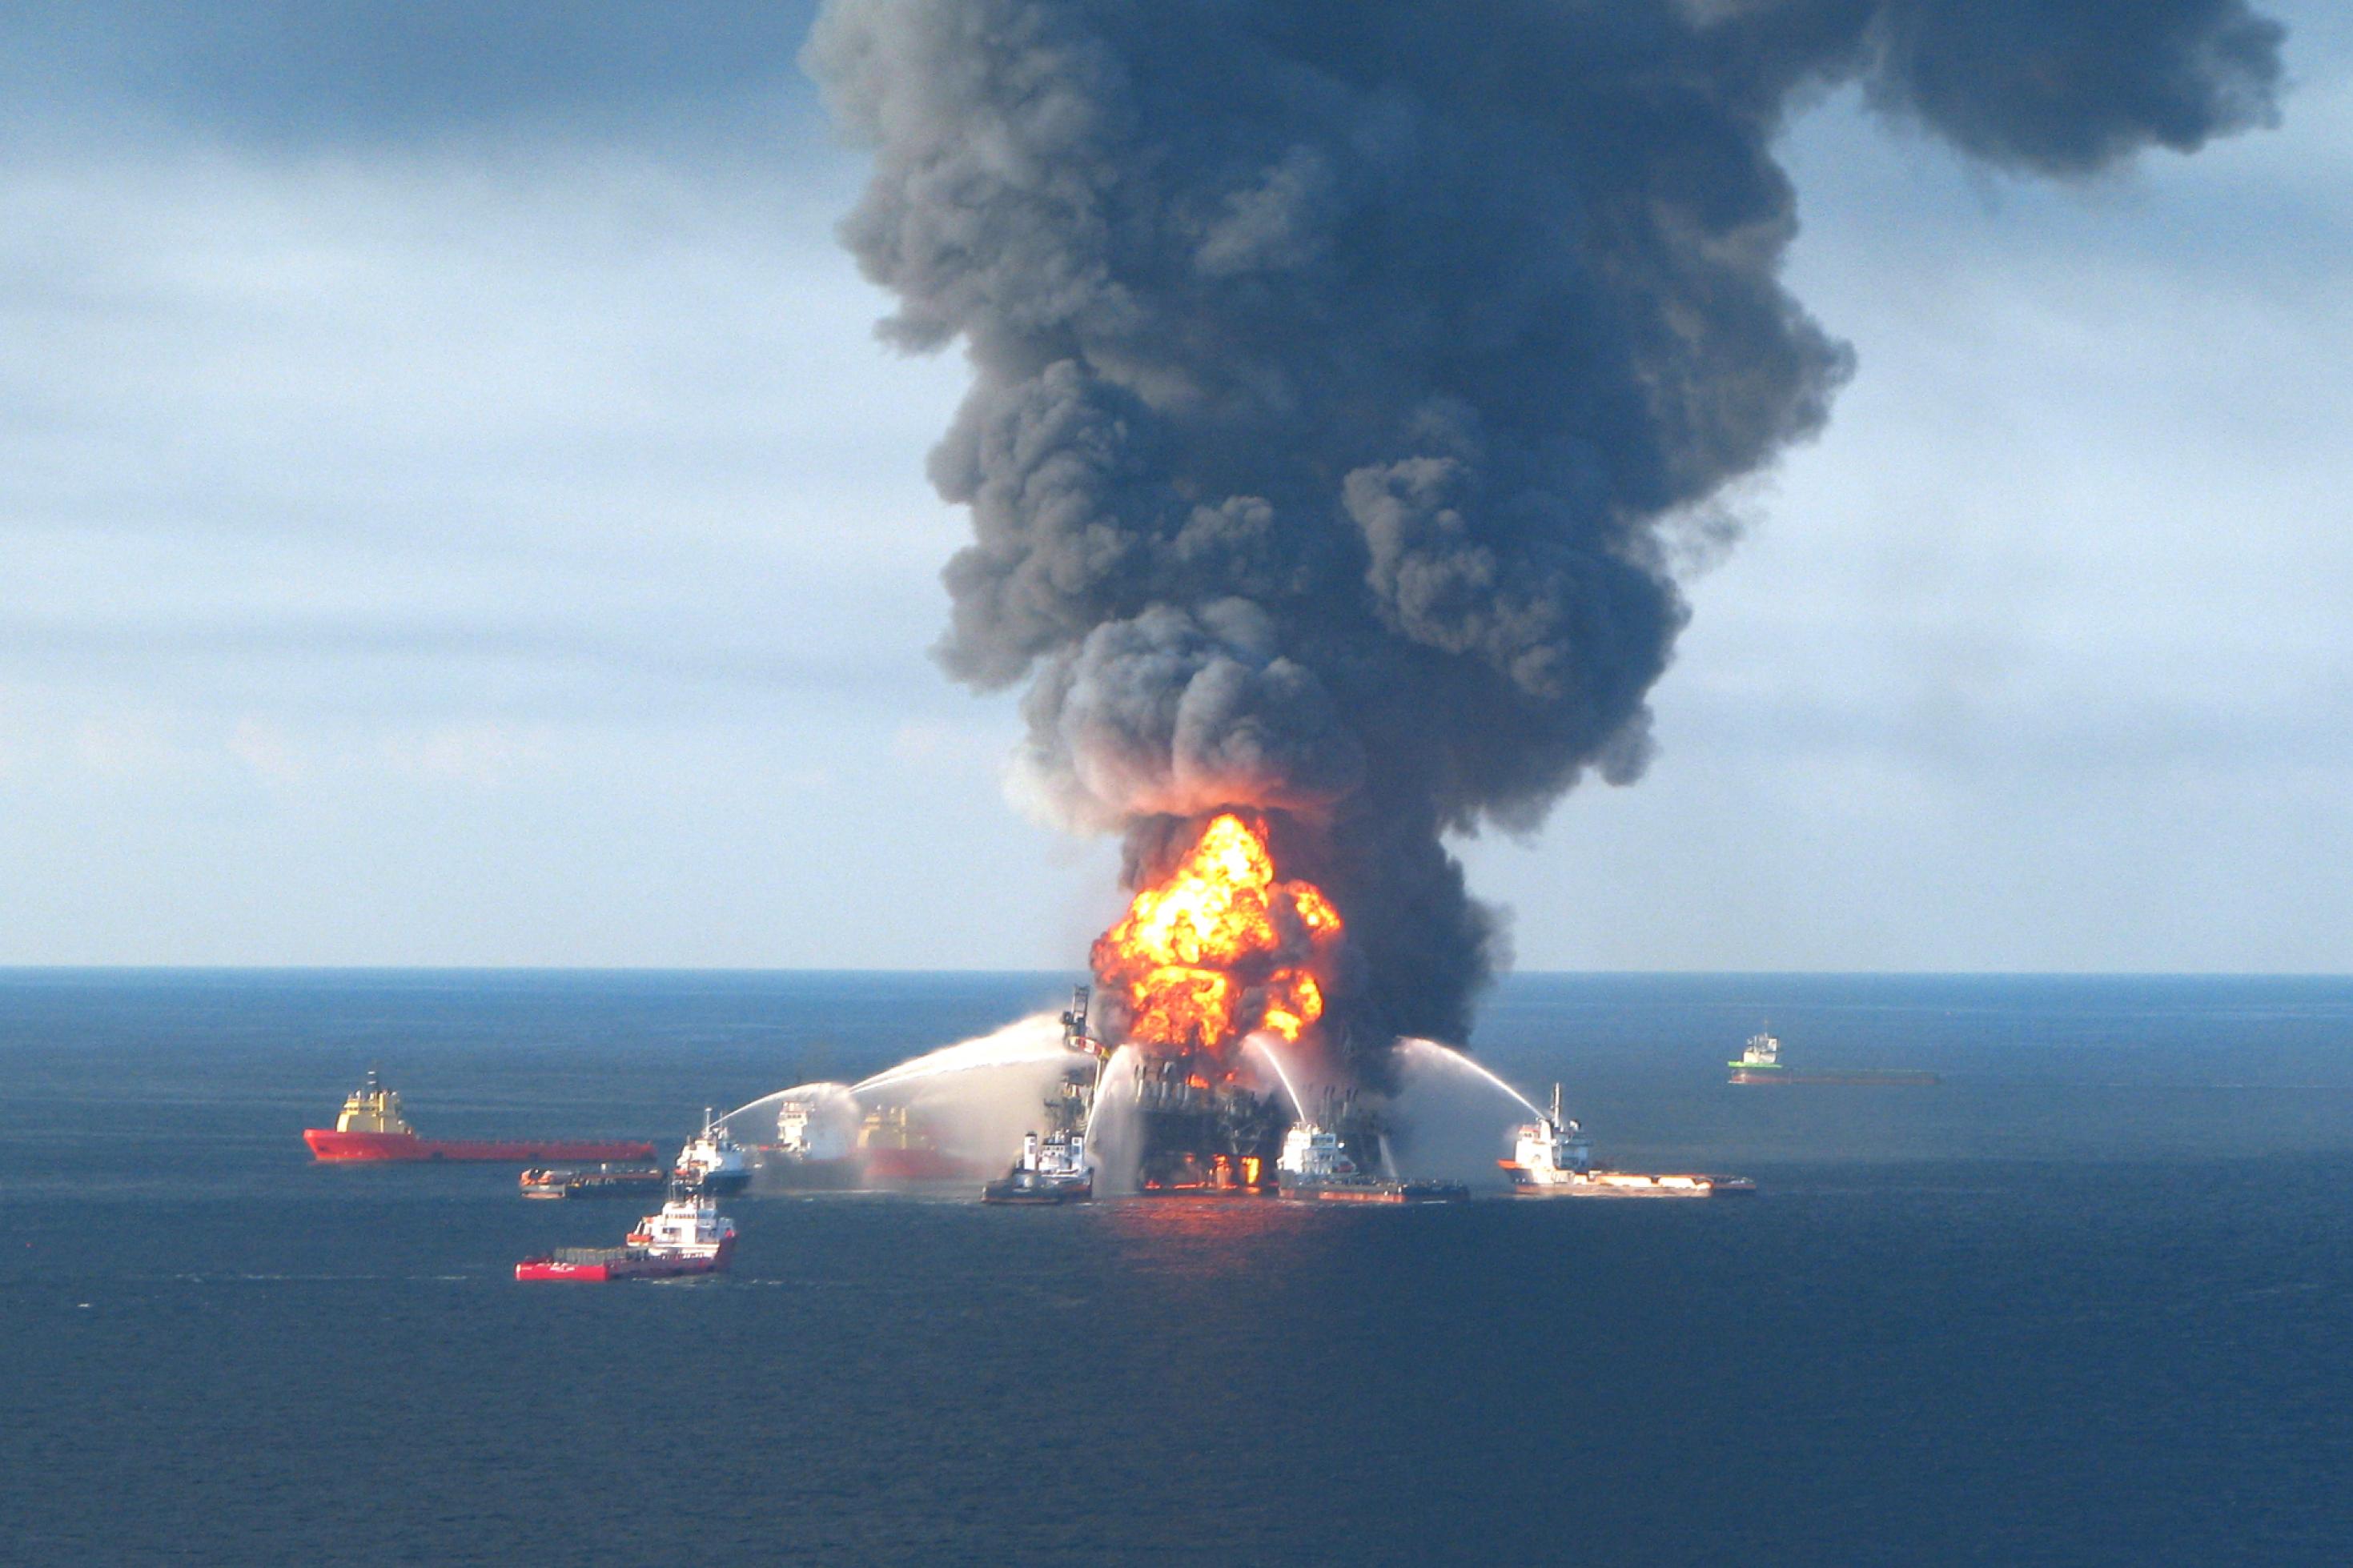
(1339, 363)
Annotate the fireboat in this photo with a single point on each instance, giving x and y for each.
(1553, 1159)
(1315, 1164)
(711, 1163)
(1051, 1170)
(1054, 1169)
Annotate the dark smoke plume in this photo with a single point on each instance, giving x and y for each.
(1338, 363)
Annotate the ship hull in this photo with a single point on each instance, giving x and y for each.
(1377, 1192)
(624, 1265)
(1627, 1184)
(1864, 1077)
(379, 1148)
(893, 1166)
(721, 1184)
(1015, 1192)
(786, 1173)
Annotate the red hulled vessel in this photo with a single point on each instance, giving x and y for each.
(897, 1151)
(689, 1236)
(372, 1127)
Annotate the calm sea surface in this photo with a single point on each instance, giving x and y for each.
(2088, 1301)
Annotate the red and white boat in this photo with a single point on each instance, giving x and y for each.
(689, 1236)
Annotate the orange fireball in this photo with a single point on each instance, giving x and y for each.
(1221, 947)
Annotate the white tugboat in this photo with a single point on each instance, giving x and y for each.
(1553, 1159)
(1051, 1170)
(1315, 1165)
(1054, 1169)
(711, 1163)
(1312, 1160)
(690, 1235)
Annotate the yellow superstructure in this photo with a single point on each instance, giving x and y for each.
(372, 1107)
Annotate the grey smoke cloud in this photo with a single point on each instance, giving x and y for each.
(1338, 366)
(1177, 713)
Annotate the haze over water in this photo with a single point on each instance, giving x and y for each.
(2087, 1301)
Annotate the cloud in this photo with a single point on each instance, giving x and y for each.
(469, 432)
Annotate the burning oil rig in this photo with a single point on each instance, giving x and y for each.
(1217, 951)
(1200, 1131)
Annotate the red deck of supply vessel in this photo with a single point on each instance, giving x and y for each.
(600, 1266)
(372, 1127)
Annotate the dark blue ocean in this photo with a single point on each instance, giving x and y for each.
(2088, 1301)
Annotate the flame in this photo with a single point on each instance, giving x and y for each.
(1219, 948)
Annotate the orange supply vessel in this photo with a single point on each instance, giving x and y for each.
(371, 1127)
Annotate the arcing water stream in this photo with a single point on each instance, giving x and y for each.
(1430, 1054)
(1451, 1118)
(965, 1106)
(756, 1121)
(1026, 1042)
(1266, 1048)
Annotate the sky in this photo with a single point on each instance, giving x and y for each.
(454, 510)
